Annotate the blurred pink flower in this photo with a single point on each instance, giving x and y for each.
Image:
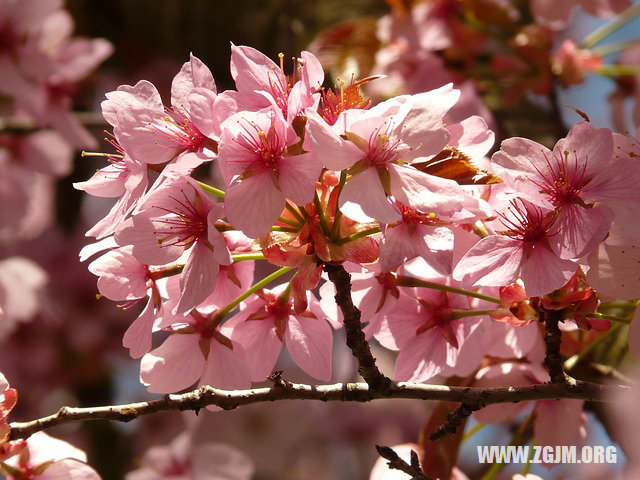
(47, 458)
(555, 14)
(181, 460)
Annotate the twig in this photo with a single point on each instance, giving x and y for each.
(355, 336)
(454, 420)
(552, 342)
(345, 392)
(396, 463)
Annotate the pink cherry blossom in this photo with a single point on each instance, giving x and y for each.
(8, 400)
(424, 328)
(182, 460)
(268, 322)
(579, 178)
(379, 146)
(151, 133)
(179, 216)
(123, 177)
(22, 284)
(47, 458)
(261, 83)
(63, 62)
(122, 277)
(29, 165)
(256, 163)
(197, 351)
(523, 251)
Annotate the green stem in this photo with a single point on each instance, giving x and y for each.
(213, 190)
(469, 313)
(294, 211)
(614, 47)
(357, 235)
(247, 256)
(603, 316)
(10, 470)
(601, 32)
(571, 362)
(262, 283)
(324, 223)
(515, 439)
(290, 223)
(472, 431)
(527, 466)
(335, 228)
(619, 70)
(404, 281)
(278, 228)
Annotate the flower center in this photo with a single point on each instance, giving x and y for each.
(564, 178)
(266, 148)
(182, 132)
(381, 150)
(184, 224)
(526, 222)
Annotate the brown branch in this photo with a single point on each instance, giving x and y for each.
(342, 392)
(552, 341)
(396, 463)
(454, 420)
(353, 327)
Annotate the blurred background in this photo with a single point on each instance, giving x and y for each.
(70, 353)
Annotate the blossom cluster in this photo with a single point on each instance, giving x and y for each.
(454, 257)
(41, 66)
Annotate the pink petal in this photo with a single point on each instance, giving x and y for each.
(363, 199)
(297, 177)
(137, 338)
(423, 192)
(175, 365)
(473, 136)
(310, 341)
(198, 278)
(399, 326)
(580, 230)
(558, 422)
(421, 358)
(261, 345)
(420, 122)
(226, 369)
(543, 272)
(253, 205)
(122, 277)
(143, 96)
(493, 261)
(217, 461)
(193, 74)
(326, 147)
(614, 271)
(139, 231)
(69, 468)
